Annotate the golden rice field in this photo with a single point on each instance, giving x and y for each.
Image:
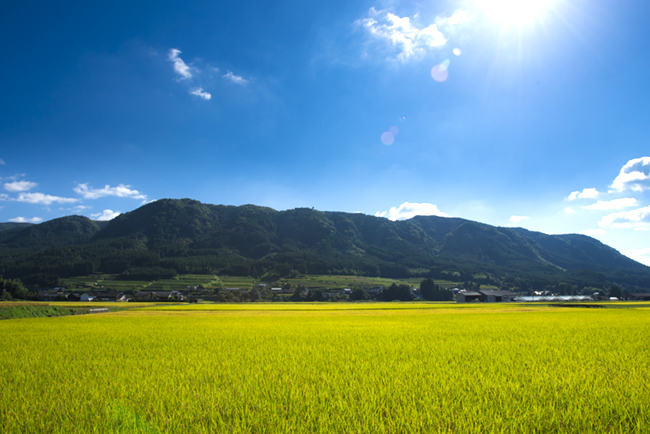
(394, 368)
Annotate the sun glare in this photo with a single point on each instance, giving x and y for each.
(516, 12)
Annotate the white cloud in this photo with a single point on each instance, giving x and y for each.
(639, 255)
(517, 218)
(569, 210)
(43, 199)
(2, 161)
(24, 220)
(180, 67)
(235, 78)
(4, 196)
(635, 176)
(587, 193)
(200, 93)
(406, 38)
(105, 215)
(613, 204)
(593, 232)
(407, 210)
(638, 219)
(119, 191)
(20, 185)
(458, 17)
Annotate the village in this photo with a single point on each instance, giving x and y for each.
(266, 292)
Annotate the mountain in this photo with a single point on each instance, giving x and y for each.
(10, 226)
(180, 236)
(55, 233)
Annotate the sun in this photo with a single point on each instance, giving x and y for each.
(516, 12)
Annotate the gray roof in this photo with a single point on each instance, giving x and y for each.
(163, 294)
(471, 294)
(497, 293)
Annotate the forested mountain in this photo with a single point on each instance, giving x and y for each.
(168, 236)
(10, 225)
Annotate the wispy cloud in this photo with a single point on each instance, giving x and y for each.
(19, 186)
(2, 161)
(639, 255)
(105, 215)
(638, 219)
(569, 210)
(406, 38)
(26, 220)
(180, 67)
(119, 191)
(634, 175)
(518, 218)
(235, 78)
(407, 210)
(457, 18)
(613, 204)
(587, 193)
(593, 232)
(43, 199)
(200, 93)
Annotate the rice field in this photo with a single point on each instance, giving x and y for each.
(409, 367)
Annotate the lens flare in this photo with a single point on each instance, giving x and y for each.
(440, 72)
(387, 138)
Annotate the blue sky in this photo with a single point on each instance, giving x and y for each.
(513, 113)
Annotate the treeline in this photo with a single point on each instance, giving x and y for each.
(12, 289)
(121, 258)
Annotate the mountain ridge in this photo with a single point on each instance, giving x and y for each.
(183, 235)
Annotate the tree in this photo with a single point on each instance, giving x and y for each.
(615, 291)
(359, 294)
(427, 288)
(12, 289)
(315, 295)
(297, 295)
(433, 292)
(400, 292)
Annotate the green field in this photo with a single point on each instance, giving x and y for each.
(104, 282)
(329, 368)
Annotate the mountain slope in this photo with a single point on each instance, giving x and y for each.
(189, 236)
(57, 233)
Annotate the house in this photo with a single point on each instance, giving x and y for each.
(374, 289)
(232, 289)
(639, 296)
(467, 296)
(496, 296)
(87, 296)
(276, 289)
(110, 296)
(158, 296)
(49, 296)
(74, 297)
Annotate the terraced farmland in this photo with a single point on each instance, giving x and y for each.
(389, 367)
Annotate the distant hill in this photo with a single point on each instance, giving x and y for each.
(180, 236)
(10, 226)
(61, 232)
